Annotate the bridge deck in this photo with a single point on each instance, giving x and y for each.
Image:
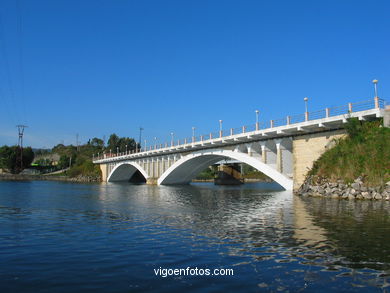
(327, 119)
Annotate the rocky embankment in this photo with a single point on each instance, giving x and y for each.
(355, 190)
(23, 177)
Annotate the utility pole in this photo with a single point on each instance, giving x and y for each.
(20, 143)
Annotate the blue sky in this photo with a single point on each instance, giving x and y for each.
(95, 67)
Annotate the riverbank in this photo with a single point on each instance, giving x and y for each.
(25, 177)
(315, 186)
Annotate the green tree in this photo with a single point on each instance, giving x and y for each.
(97, 142)
(10, 158)
(63, 162)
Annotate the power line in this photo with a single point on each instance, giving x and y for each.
(7, 68)
(21, 59)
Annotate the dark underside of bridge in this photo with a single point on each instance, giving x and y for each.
(137, 178)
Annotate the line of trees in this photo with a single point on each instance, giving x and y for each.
(78, 159)
(10, 158)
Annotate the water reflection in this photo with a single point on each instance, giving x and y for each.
(120, 232)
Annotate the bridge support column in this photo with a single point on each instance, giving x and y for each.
(263, 152)
(279, 155)
(249, 147)
(104, 170)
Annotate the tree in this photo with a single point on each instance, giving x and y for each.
(63, 162)
(97, 142)
(113, 142)
(9, 158)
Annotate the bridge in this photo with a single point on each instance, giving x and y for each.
(282, 149)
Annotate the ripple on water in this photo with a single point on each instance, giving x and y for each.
(110, 238)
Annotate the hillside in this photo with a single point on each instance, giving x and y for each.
(364, 152)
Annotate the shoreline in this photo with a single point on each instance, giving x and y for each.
(340, 190)
(25, 177)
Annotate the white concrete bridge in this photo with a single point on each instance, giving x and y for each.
(283, 149)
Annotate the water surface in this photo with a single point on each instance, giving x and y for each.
(65, 237)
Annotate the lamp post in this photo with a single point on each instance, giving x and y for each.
(126, 149)
(220, 128)
(155, 142)
(139, 141)
(257, 119)
(117, 151)
(306, 113)
(193, 134)
(171, 138)
(145, 145)
(375, 81)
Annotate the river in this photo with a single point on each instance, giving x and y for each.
(66, 237)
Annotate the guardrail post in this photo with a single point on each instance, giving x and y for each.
(327, 112)
(243, 129)
(288, 120)
(272, 123)
(211, 135)
(376, 99)
(350, 107)
(231, 131)
(185, 141)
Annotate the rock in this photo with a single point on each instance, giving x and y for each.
(355, 185)
(350, 196)
(334, 195)
(335, 190)
(359, 196)
(352, 191)
(366, 195)
(363, 188)
(342, 185)
(321, 190)
(378, 196)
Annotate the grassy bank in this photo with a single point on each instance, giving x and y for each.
(364, 152)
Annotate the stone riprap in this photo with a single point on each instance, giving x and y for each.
(355, 190)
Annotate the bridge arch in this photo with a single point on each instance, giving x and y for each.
(185, 169)
(124, 171)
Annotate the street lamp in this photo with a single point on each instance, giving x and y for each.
(145, 145)
(155, 142)
(375, 81)
(117, 151)
(306, 99)
(193, 134)
(306, 113)
(126, 149)
(171, 138)
(257, 119)
(220, 128)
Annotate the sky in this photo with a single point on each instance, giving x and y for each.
(97, 67)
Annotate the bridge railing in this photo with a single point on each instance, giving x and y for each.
(375, 103)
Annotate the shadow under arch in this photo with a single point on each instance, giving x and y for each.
(124, 171)
(185, 169)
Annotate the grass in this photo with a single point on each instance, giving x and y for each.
(364, 152)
